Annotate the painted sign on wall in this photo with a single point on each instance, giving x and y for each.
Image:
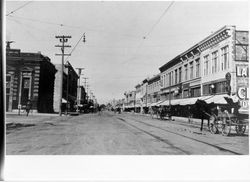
(242, 75)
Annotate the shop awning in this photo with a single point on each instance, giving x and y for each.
(188, 101)
(217, 99)
(153, 104)
(158, 103)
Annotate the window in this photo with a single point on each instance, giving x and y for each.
(191, 70)
(186, 71)
(180, 75)
(206, 65)
(197, 68)
(224, 58)
(176, 76)
(168, 83)
(205, 89)
(170, 78)
(215, 62)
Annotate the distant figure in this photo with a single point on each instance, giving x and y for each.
(99, 110)
(28, 106)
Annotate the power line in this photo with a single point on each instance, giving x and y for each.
(19, 8)
(83, 36)
(152, 28)
(158, 21)
(71, 26)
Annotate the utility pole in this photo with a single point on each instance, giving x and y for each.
(62, 39)
(78, 89)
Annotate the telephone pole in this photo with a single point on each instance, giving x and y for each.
(62, 39)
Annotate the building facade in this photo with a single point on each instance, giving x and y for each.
(29, 76)
(153, 89)
(210, 67)
(69, 95)
(130, 100)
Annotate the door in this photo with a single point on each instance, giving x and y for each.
(25, 90)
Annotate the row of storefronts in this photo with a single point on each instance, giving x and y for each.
(32, 76)
(214, 68)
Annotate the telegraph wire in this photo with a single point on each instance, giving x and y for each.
(75, 46)
(70, 26)
(19, 8)
(158, 21)
(150, 31)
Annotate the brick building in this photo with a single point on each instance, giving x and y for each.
(29, 76)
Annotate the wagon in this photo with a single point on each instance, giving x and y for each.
(223, 118)
(224, 122)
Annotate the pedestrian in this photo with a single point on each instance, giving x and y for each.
(28, 106)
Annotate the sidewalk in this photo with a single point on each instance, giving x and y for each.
(33, 118)
(178, 119)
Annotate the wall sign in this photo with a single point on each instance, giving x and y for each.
(242, 81)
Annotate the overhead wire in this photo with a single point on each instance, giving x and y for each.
(75, 46)
(71, 26)
(19, 8)
(149, 32)
(158, 21)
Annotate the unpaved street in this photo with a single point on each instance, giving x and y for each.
(118, 134)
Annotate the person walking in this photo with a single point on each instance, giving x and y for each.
(28, 107)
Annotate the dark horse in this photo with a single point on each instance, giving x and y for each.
(203, 111)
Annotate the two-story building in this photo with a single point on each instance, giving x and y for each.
(29, 76)
(129, 104)
(153, 90)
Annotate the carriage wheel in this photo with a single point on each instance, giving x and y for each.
(226, 128)
(240, 129)
(213, 126)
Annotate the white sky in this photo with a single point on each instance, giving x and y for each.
(115, 56)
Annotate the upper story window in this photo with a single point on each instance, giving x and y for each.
(191, 70)
(180, 75)
(172, 77)
(164, 80)
(197, 64)
(176, 76)
(186, 71)
(167, 79)
(206, 65)
(224, 58)
(215, 62)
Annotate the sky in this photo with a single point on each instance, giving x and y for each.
(126, 41)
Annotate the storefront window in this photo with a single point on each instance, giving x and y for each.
(185, 93)
(196, 92)
(205, 89)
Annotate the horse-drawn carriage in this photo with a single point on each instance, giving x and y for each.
(160, 112)
(223, 118)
